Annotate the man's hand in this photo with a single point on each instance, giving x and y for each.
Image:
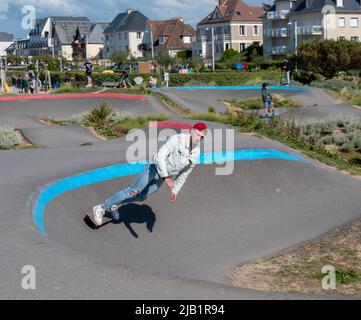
(173, 197)
(169, 183)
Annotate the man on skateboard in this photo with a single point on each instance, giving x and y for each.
(173, 163)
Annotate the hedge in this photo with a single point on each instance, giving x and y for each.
(229, 78)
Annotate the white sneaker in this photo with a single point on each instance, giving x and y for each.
(97, 216)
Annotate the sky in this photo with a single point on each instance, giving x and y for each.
(192, 11)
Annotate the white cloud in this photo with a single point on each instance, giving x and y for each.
(45, 7)
(192, 11)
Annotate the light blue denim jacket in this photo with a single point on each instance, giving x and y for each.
(176, 159)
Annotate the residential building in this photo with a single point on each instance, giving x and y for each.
(172, 35)
(288, 23)
(41, 37)
(90, 34)
(19, 47)
(6, 40)
(234, 24)
(125, 33)
(55, 35)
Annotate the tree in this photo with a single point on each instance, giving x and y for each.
(163, 58)
(253, 51)
(120, 57)
(229, 55)
(328, 57)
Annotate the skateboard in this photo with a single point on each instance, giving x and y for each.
(90, 223)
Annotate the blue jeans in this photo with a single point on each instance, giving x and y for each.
(147, 182)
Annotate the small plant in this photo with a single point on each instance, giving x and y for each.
(100, 114)
(8, 138)
(211, 109)
(346, 276)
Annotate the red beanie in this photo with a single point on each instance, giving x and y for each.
(200, 126)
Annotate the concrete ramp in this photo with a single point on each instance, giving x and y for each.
(218, 221)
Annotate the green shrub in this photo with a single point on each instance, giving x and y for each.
(100, 114)
(8, 138)
(211, 109)
(335, 84)
(347, 147)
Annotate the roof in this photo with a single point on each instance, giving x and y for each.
(317, 5)
(42, 21)
(234, 10)
(66, 31)
(6, 37)
(173, 31)
(69, 19)
(132, 21)
(97, 32)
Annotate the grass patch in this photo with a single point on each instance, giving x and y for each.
(256, 103)
(110, 123)
(175, 107)
(335, 141)
(300, 269)
(75, 90)
(135, 90)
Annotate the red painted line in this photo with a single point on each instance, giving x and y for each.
(74, 96)
(173, 125)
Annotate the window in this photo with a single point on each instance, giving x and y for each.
(120, 36)
(339, 3)
(341, 22)
(187, 39)
(242, 46)
(161, 39)
(255, 30)
(241, 30)
(354, 38)
(139, 35)
(227, 46)
(341, 38)
(354, 22)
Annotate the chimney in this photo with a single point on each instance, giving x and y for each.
(178, 18)
(129, 11)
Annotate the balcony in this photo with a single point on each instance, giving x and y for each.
(277, 15)
(224, 37)
(314, 30)
(279, 32)
(280, 50)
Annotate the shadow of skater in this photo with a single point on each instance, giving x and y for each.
(133, 213)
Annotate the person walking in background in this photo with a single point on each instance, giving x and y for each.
(26, 84)
(13, 83)
(126, 79)
(286, 68)
(88, 67)
(19, 84)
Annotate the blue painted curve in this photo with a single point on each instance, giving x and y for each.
(57, 188)
(280, 88)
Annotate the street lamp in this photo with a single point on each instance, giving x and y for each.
(212, 30)
(296, 35)
(151, 40)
